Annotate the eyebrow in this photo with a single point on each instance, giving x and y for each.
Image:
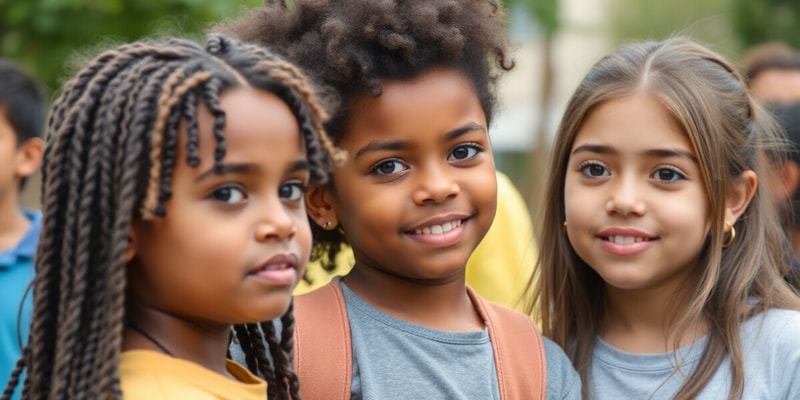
(377, 145)
(655, 153)
(225, 169)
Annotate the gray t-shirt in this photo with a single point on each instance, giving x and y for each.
(771, 347)
(395, 359)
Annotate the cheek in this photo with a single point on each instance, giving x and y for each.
(575, 202)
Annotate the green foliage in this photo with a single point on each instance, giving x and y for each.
(708, 21)
(758, 21)
(545, 11)
(42, 34)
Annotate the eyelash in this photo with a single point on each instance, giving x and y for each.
(586, 164)
(225, 187)
(679, 175)
(475, 147)
(469, 146)
(302, 187)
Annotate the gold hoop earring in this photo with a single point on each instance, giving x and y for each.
(731, 237)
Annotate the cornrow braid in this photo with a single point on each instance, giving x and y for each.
(110, 153)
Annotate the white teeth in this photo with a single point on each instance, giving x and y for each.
(438, 229)
(625, 239)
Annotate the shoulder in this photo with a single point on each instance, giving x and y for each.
(562, 380)
(147, 375)
(774, 322)
(771, 343)
(140, 379)
(777, 329)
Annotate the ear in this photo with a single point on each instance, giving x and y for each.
(791, 177)
(739, 196)
(320, 207)
(29, 157)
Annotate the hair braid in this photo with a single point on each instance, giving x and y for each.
(264, 365)
(292, 77)
(246, 344)
(13, 380)
(274, 349)
(111, 149)
(285, 363)
(192, 133)
(169, 97)
(211, 97)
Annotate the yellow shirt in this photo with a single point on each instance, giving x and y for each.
(499, 268)
(150, 375)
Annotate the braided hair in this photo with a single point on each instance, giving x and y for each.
(353, 46)
(110, 153)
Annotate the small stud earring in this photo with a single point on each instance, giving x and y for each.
(565, 226)
(326, 224)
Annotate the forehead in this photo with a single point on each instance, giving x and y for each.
(427, 102)
(635, 122)
(256, 121)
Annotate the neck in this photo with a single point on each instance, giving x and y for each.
(199, 342)
(637, 321)
(442, 305)
(13, 223)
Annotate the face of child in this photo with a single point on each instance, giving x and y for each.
(233, 242)
(17, 160)
(635, 202)
(418, 191)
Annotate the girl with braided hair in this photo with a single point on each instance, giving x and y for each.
(413, 200)
(173, 221)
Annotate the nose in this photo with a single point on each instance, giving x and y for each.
(435, 184)
(276, 223)
(626, 197)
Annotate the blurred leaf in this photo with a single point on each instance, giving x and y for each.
(42, 34)
(545, 12)
(758, 21)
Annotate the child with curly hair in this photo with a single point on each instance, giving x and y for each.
(415, 197)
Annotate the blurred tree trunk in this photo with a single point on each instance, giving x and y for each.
(539, 153)
(546, 13)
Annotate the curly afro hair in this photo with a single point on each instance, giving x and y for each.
(351, 46)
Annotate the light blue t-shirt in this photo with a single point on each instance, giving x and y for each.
(771, 350)
(396, 359)
(16, 273)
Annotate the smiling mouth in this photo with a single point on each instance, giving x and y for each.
(626, 239)
(438, 229)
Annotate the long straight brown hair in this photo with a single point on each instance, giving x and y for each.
(708, 98)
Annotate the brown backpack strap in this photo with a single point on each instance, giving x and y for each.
(322, 356)
(518, 351)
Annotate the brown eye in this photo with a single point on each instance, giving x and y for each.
(594, 170)
(228, 195)
(389, 167)
(667, 175)
(463, 152)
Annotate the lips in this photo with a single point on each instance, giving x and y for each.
(277, 262)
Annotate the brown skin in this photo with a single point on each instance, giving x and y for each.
(17, 161)
(193, 273)
(419, 155)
